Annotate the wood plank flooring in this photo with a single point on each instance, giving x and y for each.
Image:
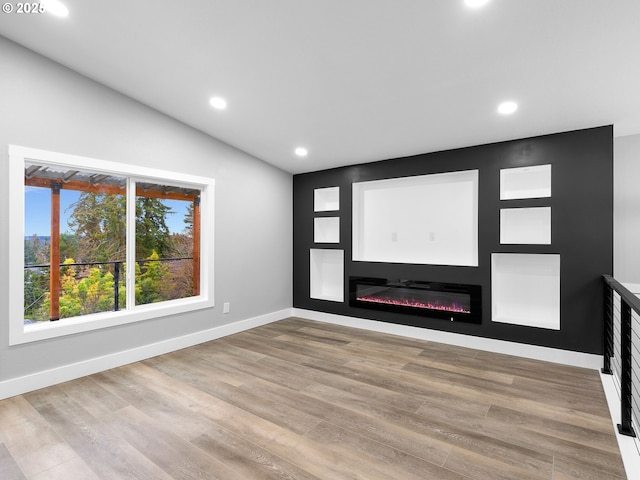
(298, 399)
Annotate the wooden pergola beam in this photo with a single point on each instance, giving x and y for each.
(107, 189)
(54, 254)
(196, 246)
(73, 185)
(165, 195)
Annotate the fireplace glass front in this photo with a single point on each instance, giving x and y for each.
(451, 301)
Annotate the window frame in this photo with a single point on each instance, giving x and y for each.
(20, 333)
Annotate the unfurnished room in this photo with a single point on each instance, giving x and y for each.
(302, 239)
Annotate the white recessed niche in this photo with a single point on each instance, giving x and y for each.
(326, 280)
(326, 230)
(425, 219)
(326, 199)
(525, 182)
(525, 289)
(525, 226)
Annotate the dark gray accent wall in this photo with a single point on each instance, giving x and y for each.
(581, 229)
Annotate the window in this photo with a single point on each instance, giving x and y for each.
(100, 243)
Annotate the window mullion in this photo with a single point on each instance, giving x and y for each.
(131, 243)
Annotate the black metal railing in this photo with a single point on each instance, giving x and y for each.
(116, 266)
(622, 345)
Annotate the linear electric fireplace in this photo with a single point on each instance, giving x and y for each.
(451, 301)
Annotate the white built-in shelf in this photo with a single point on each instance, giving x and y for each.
(326, 199)
(326, 274)
(423, 219)
(525, 226)
(525, 289)
(525, 182)
(326, 230)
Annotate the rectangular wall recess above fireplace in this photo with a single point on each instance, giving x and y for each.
(450, 301)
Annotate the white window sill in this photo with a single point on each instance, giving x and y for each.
(68, 326)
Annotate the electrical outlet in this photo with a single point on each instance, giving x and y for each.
(226, 307)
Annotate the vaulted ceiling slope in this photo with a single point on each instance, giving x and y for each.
(355, 81)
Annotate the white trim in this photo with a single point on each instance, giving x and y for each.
(130, 254)
(627, 445)
(566, 357)
(85, 323)
(20, 333)
(104, 166)
(28, 383)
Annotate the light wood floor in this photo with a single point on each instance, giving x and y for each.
(305, 400)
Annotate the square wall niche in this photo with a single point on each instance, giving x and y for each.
(530, 226)
(326, 230)
(525, 289)
(326, 199)
(326, 274)
(525, 182)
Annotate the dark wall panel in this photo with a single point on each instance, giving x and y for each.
(582, 232)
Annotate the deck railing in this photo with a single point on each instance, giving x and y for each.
(116, 268)
(622, 350)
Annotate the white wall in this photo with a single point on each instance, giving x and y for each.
(44, 105)
(626, 209)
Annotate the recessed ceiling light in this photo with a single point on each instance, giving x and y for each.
(301, 152)
(507, 108)
(475, 3)
(55, 7)
(218, 103)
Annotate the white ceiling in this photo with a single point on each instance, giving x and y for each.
(356, 80)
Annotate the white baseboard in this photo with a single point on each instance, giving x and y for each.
(34, 381)
(629, 449)
(46, 378)
(566, 357)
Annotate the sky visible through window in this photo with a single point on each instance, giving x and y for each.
(37, 204)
